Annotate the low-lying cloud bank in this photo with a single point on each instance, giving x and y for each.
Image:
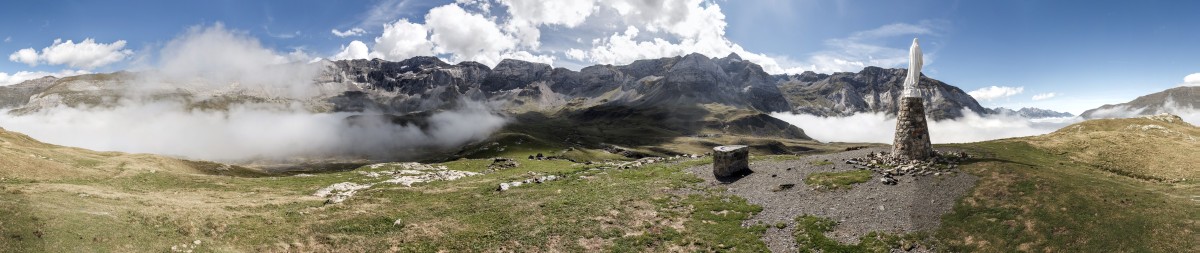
(214, 61)
(251, 132)
(880, 128)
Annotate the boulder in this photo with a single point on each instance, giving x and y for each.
(731, 160)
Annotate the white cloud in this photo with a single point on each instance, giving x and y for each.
(466, 36)
(207, 58)
(1192, 80)
(672, 28)
(383, 12)
(880, 128)
(250, 132)
(86, 54)
(214, 60)
(28, 56)
(1044, 96)
(527, 15)
(892, 30)
(865, 48)
(8, 39)
(356, 50)
(349, 32)
(995, 92)
(402, 40)
(21, 76)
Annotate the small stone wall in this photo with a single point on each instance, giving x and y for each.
(731, 160)
(912, 132)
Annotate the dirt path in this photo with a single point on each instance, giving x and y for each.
(914, 204)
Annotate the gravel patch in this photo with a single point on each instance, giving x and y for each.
(914, 203)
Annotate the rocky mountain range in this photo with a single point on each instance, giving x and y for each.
(1167, 101)
(691, 95)
(425, 83)
(1030, 112)
(873, 89)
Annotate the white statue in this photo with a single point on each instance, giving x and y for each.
(914, 71)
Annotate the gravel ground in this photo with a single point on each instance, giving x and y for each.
(914, 204)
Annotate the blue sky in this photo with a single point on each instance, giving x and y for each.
(1086, 53)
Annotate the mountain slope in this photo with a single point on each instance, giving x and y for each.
(1030, 112)
(1166, 101)
(873, 89)
(22, 157)
(1160, 147)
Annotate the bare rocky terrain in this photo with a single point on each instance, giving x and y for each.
(915, 203)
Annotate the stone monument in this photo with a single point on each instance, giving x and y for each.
(912, 132)
(730, 161)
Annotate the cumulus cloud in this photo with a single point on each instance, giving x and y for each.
(659, 29)
(880, 128)
(466, 36)
(1044, 96)
(618, 32)
(527, 15)
(86, 54)
(27, 56)
(348, 32)
(356, 50)
(21, 76)
(402, 40)
(995, 92)
(666, 29)
(1192, 80)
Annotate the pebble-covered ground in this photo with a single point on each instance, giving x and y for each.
(915, 203)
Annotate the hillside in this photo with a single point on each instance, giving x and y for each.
(1167, 101)
(1125, 185)
(23, 158)
(1030, 112)
(1159, 147)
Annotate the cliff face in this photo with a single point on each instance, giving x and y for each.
(873, 89)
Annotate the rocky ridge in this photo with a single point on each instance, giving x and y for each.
(1030, 112)
(1167, 101)
(872, 90)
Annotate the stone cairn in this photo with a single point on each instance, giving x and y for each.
(889, 166)
(730, 161)
(912, 133)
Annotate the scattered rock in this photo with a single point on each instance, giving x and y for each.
(783, 187)
(887, 180)
(501, 163)
(339, 192)
(534, 180)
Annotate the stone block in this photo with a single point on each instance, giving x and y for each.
(731, 160)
